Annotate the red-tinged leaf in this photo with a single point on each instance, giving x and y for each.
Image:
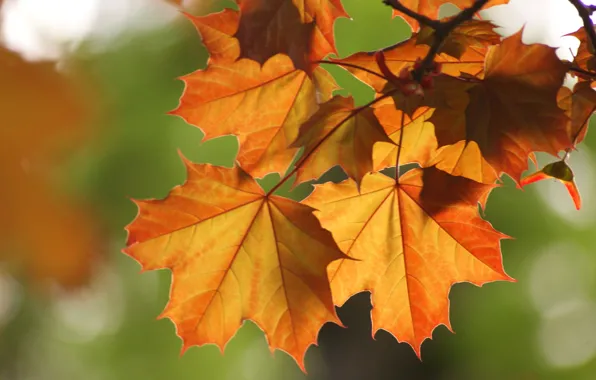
(237, 254)
(584, 58)
(574, 193)
(579, 105)
(430, 8)
(471, 34)
(512, 112)
(217, 30)
(404, 55)
(263, 106)
(338, 134)
(411, 242)
(560, 171)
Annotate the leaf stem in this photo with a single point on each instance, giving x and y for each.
(399, 145)
(344, 64)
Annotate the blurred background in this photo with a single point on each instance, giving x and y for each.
(84, 91)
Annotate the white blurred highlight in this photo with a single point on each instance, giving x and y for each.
(85, 314)
(41, 29)
(10, 297)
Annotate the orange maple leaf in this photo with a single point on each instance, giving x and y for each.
(263, 106)
(430, 8)
(338, 134)
(217, 31)
(419, 143)
(236, 253)
(412, 241)
(285, 96)
(50, 238)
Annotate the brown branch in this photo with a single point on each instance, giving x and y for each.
(442, 29)
(422, 19)
(583, 73)
(585, 12)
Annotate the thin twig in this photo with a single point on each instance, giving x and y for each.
(585, 13)
(345, 64)
(442, 30)
(422, 19)
(583, 73)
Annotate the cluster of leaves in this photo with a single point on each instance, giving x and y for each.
(458, 100)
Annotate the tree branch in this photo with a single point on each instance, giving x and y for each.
(422, 19)
(585, 12)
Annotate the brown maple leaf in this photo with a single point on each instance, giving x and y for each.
(412, 242)
(584, 58)
(302, 29)
(430, 8)
(512, 112)
(235, 254)
(269, 27)
(338, 134)
(579, 105)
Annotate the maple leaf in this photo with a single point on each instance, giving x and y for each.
(269, 27)
(471, 34)
(51, 238)
(404, 55)
(217, 30)
(512, 112)
(560, 171)
(419, 143)
(584, 58)
(338, 134)
(285, 95)
(579, 105)
(263, 106)
(412, 241)
(430, 8)
(236, 253)
(303, 29)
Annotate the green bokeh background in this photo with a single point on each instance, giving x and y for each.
(110, 331)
